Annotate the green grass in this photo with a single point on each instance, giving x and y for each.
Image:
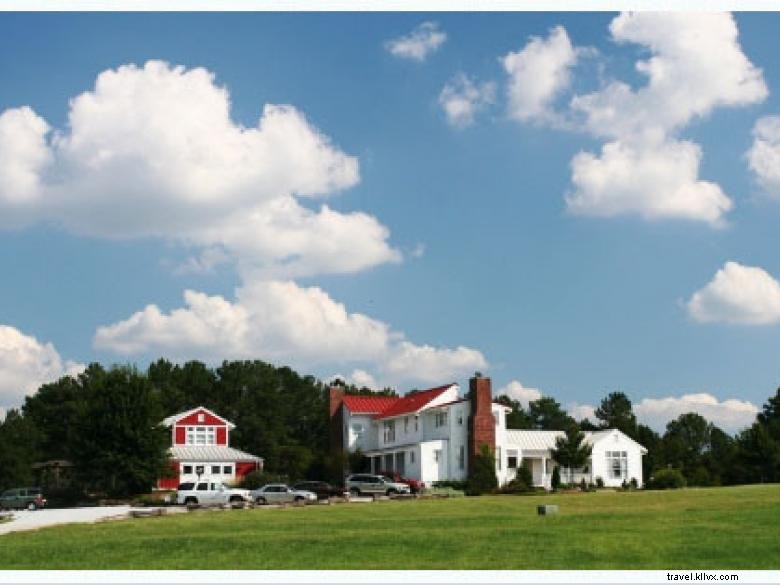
(715, 528)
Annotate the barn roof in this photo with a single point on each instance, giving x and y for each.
(208, 453)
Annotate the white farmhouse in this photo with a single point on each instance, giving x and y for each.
(432, 435)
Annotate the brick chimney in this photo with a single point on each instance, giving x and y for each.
(336, 418)
(482, 423)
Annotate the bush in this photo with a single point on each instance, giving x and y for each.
(583, 485)
(555, 481)
(665, 479)
(633, 484)
(599, 482)
(257, 479)
(451, 483)
(482, 473)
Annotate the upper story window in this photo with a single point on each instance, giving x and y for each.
(460, 418)
(201, 436)
(389, 428)
(440, 419)
(357, 428)
(416, 422)
(406, 424)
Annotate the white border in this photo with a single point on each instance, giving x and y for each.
(386, 5)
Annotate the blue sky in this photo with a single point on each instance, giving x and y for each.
(481, 250)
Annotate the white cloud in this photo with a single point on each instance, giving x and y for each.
(425, 39)
(696, 65)
(740, 294)
(26, 364)
(285, 323)
(538, 74)
(652, 180)
(516, 391)
(582, 411)
(764, 154)
(730, 415)
(153, 152)
(461, 99)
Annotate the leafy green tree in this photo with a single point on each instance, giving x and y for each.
(615, 412)
(52, 410)
(118, 445)
(685, 442)
(555, 480)
(548, 415)
(517, 418)
(758, 455)
(651, 441)
(570, 451)
(482, 472)
(18, 437)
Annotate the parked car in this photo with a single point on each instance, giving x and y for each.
(363, 483)
(208, 492)
(322, 489)
(30, 498)
(280, 493)
(415, 485)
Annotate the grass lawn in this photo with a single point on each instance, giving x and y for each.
(714, 528)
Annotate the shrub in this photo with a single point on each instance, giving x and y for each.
(583, 485)
(450, 483)
(482, 473)
(634, 484)
(555, 481)
(665, 479)
(257, 479)
(524, 475)
(599, 482)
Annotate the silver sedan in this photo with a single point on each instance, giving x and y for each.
(279, 493)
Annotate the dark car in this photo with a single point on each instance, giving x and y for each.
(324, 490)
(30, 498)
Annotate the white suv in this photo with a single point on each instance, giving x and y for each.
(363, 483)
(209, 492)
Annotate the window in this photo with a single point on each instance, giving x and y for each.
(186, 468)
(617, 464)
(462, 457)
(200, 436)
(440, 419)
(406, 424)
(389, 428)
(185, 487)
(203, 487)
(214, 469)
(436, 455)
(411, 456)
(511, 459)
(227, 470)
(460, 418)
(498, 458)
(416, 422)
(199, 470)
(201, 417)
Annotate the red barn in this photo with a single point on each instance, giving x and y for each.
(200, 447)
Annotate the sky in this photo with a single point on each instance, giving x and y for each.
(570, 203)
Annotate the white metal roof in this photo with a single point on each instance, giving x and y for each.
(532, 440)
(210, 453)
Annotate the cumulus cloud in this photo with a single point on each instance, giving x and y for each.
(764, 154)
(152, 151)
(461, 99)
(731, 415)
(286, 323)
(26, 364)
(696, 65)
(746, 295)
(538, 73)
(581, 411)
(425, 39)
(516, 391)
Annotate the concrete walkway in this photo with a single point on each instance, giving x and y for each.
(26, 520)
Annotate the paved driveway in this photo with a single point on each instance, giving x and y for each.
(24, 520)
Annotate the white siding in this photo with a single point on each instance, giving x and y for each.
(616, 441)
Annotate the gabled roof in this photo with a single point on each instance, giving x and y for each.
(389, 406)
(412, 403)
(533, 440)
(171, 420)
(368, 404)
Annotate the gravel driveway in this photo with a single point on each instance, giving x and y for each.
(24, 520)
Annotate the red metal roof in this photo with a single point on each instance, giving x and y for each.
(369, 404)
(412, 403)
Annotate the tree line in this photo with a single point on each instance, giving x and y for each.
(106, 422)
